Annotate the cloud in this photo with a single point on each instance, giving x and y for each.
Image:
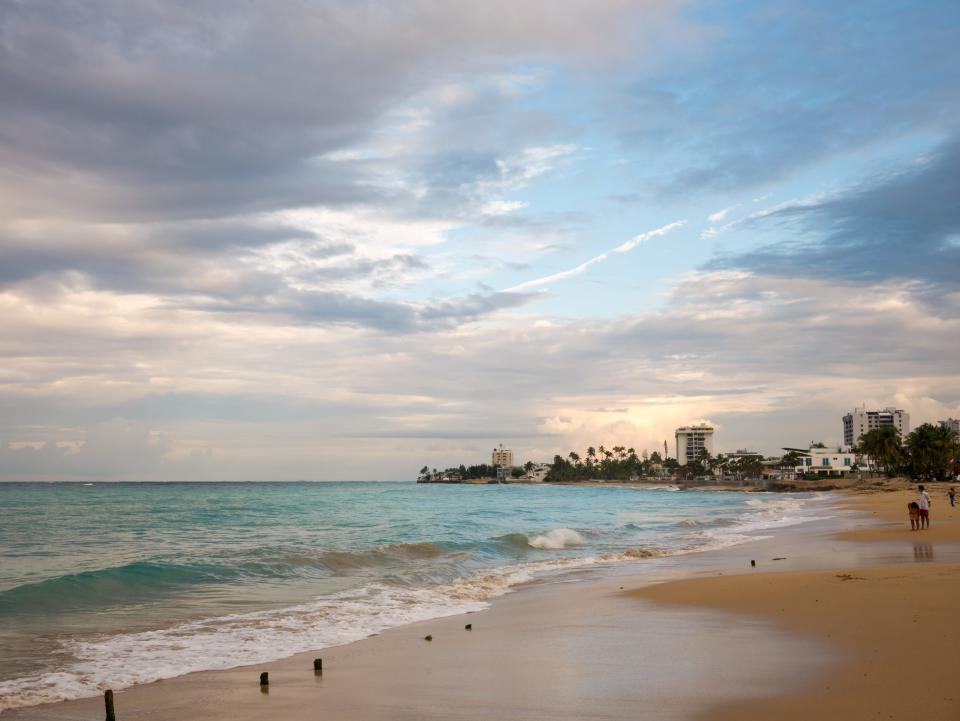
(901, 225)
(624, 247)
(238, 239)
(262, 399)
(172, 112)
(163, 157)
(719, 216)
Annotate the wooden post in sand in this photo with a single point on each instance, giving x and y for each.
(108, 702)
(264, 679)
(318, 665)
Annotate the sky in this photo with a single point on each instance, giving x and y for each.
(343, 239)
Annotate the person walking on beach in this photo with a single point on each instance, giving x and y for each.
(952, 495)
(924, 503)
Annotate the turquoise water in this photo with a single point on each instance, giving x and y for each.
(122, 583)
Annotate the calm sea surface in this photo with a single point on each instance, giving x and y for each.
(119, 583)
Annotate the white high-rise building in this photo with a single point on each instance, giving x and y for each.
(691, 440)
(860, 420)
(502, 457)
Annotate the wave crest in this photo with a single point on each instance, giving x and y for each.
(556, 539)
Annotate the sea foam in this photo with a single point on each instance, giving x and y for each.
(556, 539)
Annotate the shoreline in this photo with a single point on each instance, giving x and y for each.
(402, 654)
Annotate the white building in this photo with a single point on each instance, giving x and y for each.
(824, 462)
(502, 457)
(860, 420)
(539, 473)
(953, 424)
(743, 453)
(691, 440)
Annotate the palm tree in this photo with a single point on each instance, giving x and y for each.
(591, 454)
(930, 452)
(884, 447)
(706, 460)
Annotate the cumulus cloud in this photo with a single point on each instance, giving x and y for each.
(734, 347)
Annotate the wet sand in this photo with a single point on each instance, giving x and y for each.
(895, 626)
(731, 642)
(580, 651)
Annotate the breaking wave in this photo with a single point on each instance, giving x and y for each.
(556, 539)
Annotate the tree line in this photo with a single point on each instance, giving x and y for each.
(477, 471)
(928, 453)
(621, 464)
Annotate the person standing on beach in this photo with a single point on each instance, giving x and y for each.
(924, 503)
(952, 494)
(914, 512)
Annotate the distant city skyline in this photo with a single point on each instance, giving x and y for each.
(327, 241)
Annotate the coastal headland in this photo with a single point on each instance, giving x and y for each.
(848, 617)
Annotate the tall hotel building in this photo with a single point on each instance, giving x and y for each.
(860, 420)
(691, 440)
(502, 457)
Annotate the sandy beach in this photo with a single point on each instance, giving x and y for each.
(841, 619)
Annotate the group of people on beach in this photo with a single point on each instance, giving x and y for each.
(920, 509)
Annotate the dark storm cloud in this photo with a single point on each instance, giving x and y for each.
(903, 226)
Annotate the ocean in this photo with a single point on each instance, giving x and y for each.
(111, 584)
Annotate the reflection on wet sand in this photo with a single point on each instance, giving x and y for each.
(922, 552)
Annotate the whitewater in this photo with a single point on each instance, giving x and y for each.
(116, 584)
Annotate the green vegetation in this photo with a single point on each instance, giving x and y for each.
(884, 448)
(618, 463)
(623, 464)
(462, 472)
(929, 452)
